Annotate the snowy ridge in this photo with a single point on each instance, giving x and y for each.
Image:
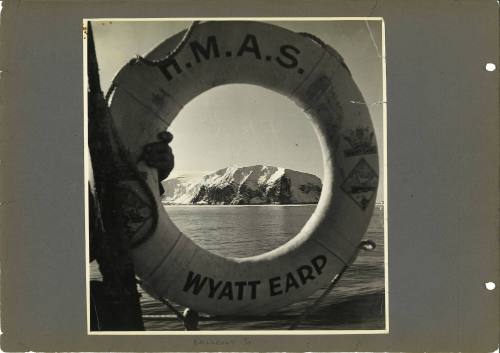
(235, 185)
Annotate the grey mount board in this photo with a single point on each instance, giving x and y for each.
(443, 156)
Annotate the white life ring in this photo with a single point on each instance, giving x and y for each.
(148, 97)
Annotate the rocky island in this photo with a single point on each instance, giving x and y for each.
(253, 185)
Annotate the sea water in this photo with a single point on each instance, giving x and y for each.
(357, 301)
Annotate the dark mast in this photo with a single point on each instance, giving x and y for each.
(115, 302)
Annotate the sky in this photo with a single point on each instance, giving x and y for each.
(244, 124)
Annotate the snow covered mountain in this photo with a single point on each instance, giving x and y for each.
(256, 184)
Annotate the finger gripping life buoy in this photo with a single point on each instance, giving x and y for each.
(147, 99)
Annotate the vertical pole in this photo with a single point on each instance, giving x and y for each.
(115, 300)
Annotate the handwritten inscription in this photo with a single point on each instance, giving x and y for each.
(213, 341)
(287, 55)
(198, 284)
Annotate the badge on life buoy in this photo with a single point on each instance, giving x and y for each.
(148, 95)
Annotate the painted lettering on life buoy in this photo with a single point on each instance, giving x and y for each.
(199, 284)
(210, 50)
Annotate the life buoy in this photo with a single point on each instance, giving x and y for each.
(148, 97)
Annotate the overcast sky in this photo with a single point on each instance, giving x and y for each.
(243, 124)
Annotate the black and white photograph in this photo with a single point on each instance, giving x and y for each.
(236, 175)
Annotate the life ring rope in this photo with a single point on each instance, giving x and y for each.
(174, 52)
(160, 62)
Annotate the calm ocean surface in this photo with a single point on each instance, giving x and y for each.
(357, 301)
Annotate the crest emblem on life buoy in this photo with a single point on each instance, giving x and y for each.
(361, 184)
(361, 141)
(137, 215)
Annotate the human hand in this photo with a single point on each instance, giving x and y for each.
(159, 155)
